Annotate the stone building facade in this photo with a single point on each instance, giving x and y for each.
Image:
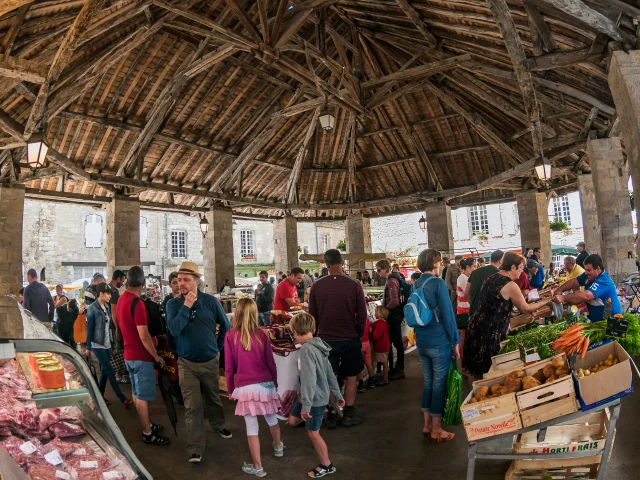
(69, 240)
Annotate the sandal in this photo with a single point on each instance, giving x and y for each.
(322, 470)
(426, 430)
(154, 439)
(127, 403)
(156, 427)
(439, 438)
(248, 468)
(279, 452)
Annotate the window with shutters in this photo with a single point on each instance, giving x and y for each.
(179, 244)
(561, 209)
(246, 244)
(87, 272)
(479, 220)
(325, 242)
(144, 232)
(93, 231)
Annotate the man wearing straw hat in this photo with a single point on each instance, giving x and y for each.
(192, 319)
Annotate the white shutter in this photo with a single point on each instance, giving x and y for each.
(509, 218)
(495, 220)
(93, 231)
(144, 232)
(463, 223)
(575, 210)
(454, 223)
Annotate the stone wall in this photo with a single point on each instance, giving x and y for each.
(533, 212)
(11, 214)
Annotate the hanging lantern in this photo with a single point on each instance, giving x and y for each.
(37, 149)
(423, 223)
(542, 167)
(327, 121)
(204, 225)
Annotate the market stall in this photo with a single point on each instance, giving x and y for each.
(53, 421)
(554, 389)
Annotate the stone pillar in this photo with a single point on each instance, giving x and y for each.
(285, 239)
(590, 224)
(610, 183)
(358, 239)
(11, 211)
(218, 250)
(439, 228)
(533, 212)
(123, 234)
(624, 83)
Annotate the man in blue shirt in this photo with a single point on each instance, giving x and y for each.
(192, 319)
(598, 289)
(535, 271)
(37, 299)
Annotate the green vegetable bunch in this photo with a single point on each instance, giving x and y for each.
(536, 337)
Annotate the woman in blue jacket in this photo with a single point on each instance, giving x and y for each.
(99, 341)
(437, 343)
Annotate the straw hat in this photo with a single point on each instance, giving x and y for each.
(190, 268)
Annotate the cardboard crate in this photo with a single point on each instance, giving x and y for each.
(614, 382)
(547, 401)
(589, 434)
(490, 417)
(556, 469)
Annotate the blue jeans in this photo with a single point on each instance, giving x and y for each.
(264, 319)
(435, 367)
(107, 373)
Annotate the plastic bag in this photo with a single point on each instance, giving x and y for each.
(453, 401)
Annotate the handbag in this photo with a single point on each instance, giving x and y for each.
(117, 360)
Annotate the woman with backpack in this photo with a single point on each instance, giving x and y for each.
(437, 342)
(394, 302)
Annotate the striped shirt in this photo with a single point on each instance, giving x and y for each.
(463, 302)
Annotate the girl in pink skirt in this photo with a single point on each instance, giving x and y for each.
(252, 380)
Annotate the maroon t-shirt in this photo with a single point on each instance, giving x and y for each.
(133, 346)
(338, 305)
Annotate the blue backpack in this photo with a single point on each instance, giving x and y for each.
(417, 312)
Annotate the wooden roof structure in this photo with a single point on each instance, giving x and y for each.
(187, 104)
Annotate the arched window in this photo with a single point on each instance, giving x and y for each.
(144, 232)
(93, 231)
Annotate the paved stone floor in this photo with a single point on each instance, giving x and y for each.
(388, 445)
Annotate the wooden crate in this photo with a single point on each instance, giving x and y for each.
(549, 400)
(556, 469)
(490, 417)
(589, 434)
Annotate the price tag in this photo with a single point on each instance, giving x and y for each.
(470, 414)
(80, 451)
(28, 448)
(90, 464)
(63, 475)
(617, 327)
(53, 458)
(112, 474)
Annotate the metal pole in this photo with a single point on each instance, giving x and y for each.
(471, 463)
(609, 442)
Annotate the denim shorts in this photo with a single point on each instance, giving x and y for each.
(314, 423)
(143, 379)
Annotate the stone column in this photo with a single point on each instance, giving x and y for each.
(610, 182)
(590, 224)
(439, 228)
(11, 211)
(123, 234)
(285, 239)
(533, 212)
(218, 250)
(624, 82)
(358, 238)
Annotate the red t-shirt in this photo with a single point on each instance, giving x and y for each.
(284, 290)
(380, 336)
(133, 347)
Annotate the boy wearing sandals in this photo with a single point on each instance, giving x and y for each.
(316, 381)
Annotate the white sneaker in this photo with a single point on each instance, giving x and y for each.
(279, 452)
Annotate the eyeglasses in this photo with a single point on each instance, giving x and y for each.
(379, 269)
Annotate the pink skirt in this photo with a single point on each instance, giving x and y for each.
(256, 400)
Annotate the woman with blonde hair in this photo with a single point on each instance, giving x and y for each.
(252, 380)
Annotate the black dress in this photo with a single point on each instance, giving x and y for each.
(487, 326)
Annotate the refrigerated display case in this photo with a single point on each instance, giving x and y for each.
(53, 421)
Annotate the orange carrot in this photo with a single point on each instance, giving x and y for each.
(585, 347)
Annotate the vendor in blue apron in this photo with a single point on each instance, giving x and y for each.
(598, 288)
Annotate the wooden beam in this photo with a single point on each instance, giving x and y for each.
(541, 26)
(414, 16)
(9, 125)
(502, 15)
(563, 59)
(292, 27)
(246, 22)
(587, 15)
(12, 34)
(418, 72)
(263, 12)
(9, 5)
(60, 61)
(277, 24)
(291, 191)
(23, 70)
(210, 59)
